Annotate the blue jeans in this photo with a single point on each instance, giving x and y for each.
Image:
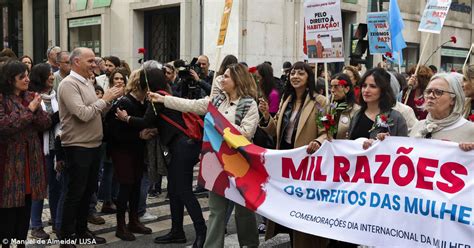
(54, 192)
(64, 181)
(108, 188)
(143, 194)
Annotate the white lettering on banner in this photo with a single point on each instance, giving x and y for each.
(392, 194)
(401, 192)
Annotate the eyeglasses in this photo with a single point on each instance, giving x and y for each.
(436, 92)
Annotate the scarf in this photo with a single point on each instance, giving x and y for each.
(432, 125)
(54, 105)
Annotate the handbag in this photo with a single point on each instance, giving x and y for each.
(262, 139)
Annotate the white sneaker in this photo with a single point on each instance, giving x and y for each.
(148, 217)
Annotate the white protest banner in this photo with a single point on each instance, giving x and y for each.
(324, 30)
(434, 15)
(379, 33)
(402, 192)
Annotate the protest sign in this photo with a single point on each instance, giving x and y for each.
(323, 25)
(401, 192)
(434, 15)
(224, 22)
(379, 33)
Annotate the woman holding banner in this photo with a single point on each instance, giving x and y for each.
(294, 126)
(236, 86)
(444, 103)
(416, 86)
(376, 114)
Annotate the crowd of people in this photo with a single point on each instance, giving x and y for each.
(78, 129)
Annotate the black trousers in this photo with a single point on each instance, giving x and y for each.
(128, 193)
(15, 222)
(82, 167)
(184, 155)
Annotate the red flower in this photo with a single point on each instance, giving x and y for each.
(453, 39)
(383, 118)
(388, 54)
(471, 117)
(342, 82)
(253, 69)
(326, 125)
(142, 50)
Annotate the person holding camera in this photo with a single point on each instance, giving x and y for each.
(195, 78)
(204, 78)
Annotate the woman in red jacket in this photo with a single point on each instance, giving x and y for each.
(22, 166)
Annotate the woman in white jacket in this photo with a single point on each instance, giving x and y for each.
(228, 89)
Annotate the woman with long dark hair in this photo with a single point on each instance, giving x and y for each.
(376, 114)
(267, 87)
(21, 156)
(294, 126)
(42, 81)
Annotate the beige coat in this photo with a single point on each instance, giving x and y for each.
(345, 121)
(307, 130)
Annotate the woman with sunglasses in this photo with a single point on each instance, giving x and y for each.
(444, 103)
(342, 91)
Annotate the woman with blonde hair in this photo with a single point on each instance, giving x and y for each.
(126, 146)
(468, 87)
(235, 87)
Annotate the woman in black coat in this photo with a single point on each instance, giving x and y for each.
(376, 114)
(125, 145)
(184, 156)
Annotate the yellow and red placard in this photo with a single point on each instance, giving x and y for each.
(224, 22)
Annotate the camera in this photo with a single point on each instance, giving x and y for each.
(184, 70)
(191, 89)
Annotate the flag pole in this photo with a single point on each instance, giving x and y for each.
(222, 33)
(399, 62)
(326, 84)
(467, 57)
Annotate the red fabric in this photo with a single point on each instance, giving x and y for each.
(128, 164)
(357, 94)
(27, 175)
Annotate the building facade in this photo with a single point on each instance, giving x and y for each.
(259, 30)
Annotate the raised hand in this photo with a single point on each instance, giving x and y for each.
(156, 97)
(112, 94)
(34, 104)
(263, 107)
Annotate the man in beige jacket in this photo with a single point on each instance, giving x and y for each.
(81, 120)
